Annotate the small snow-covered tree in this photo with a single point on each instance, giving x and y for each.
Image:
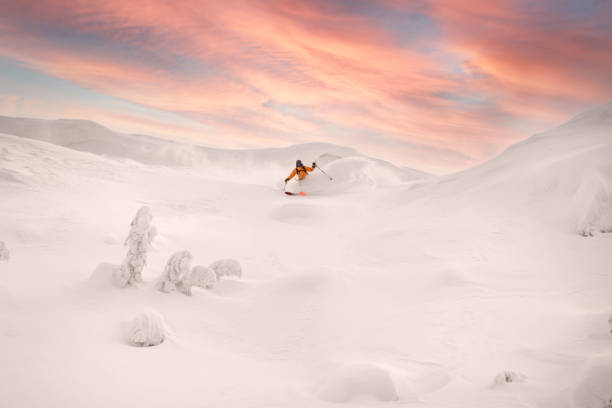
(175, 271)
(147, 329)
(138, 242)
(610, 323)
(4, 252)
(509, 377)
(226, 267)
(200, 276)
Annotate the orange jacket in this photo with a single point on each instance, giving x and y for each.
(302, 172)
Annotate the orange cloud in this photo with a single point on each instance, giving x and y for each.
(280, 72)
(545, 53)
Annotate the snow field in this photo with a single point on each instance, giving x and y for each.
(390, 290)
(594, 389)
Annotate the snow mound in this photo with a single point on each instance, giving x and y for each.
(226, 267)
(4, 252)
(104, 275)
(354, 174)
(200, 276)
(357, 381)
(175, 271)
(147, 329)
(594, 389)
(509, 377)
(430, 380)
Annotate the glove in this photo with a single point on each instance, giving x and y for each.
(314, 165)
(287, 179)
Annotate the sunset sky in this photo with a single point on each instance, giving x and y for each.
(438, 85)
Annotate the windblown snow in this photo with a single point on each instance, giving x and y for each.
(383, 286)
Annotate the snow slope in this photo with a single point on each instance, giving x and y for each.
(562, 176)
(382, 287)
(251, 165)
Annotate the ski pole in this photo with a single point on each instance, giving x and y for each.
(317, 166)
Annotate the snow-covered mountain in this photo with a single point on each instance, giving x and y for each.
(87, 136)
(381, 287)
(563, 176)
(565, 173)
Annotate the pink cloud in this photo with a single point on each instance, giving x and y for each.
(222, 63)
(525, 52)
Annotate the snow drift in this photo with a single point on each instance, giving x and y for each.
(357, 381)
(103, 276)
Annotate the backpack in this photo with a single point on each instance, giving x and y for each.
(298, 169)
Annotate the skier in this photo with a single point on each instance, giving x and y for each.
(301, 171)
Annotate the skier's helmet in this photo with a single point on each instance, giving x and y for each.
(298, 163)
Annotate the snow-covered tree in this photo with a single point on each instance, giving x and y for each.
(175, 271)
(226, 267)
(200, 276)
(509, 377)
(147, 329)
(610, 323)
(4, 252)
(138, 241)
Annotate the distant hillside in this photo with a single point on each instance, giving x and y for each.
(564, 174)
(94, 138)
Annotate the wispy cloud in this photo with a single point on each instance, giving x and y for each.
(458, 80)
